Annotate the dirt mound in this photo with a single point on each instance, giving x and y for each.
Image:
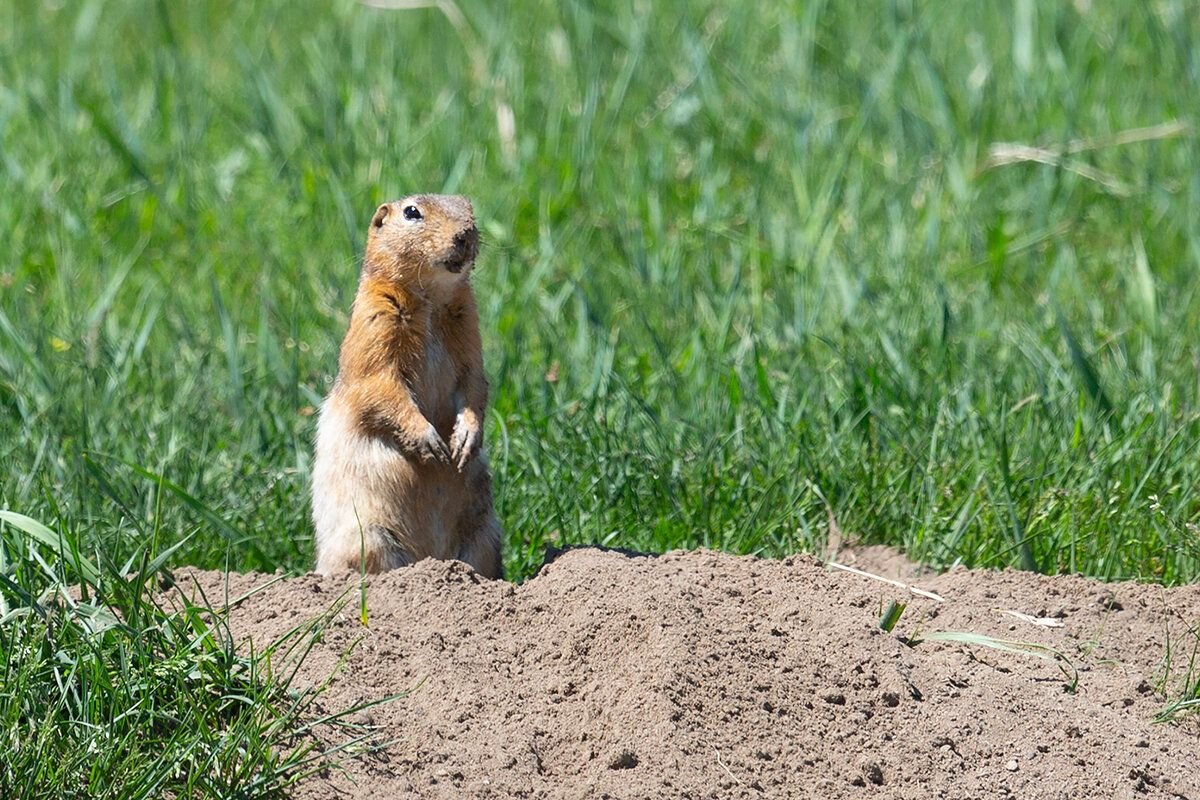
(706, 675)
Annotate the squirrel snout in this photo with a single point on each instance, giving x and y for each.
(466, 242)
(465, 245)
(466, 238)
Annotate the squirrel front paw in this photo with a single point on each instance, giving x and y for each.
(465, 440)
(428, 447)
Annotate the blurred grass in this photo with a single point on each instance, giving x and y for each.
(763, 256)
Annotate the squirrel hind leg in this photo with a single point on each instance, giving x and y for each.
(377, 548)
(482, 549)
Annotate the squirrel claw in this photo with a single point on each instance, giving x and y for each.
(464, 443)
(431, 449)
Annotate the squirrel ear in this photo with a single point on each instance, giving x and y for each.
(381, 214)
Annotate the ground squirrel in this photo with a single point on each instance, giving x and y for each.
(399, 474)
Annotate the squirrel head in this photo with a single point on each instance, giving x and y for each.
(431, 238)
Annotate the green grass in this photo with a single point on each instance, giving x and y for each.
(124, 689)
(746, 272)
(1178, 681)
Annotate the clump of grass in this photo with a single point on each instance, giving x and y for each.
(1179, 682)
(113, 685)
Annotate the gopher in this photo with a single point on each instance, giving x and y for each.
(399, 472)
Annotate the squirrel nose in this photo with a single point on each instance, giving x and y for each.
(465, 238)
(465, 241)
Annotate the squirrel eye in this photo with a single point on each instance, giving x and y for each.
(412, 213)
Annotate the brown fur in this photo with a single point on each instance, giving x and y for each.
(399, 474)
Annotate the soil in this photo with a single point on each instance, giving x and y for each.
(704, 675)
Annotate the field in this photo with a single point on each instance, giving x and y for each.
(926, 275)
